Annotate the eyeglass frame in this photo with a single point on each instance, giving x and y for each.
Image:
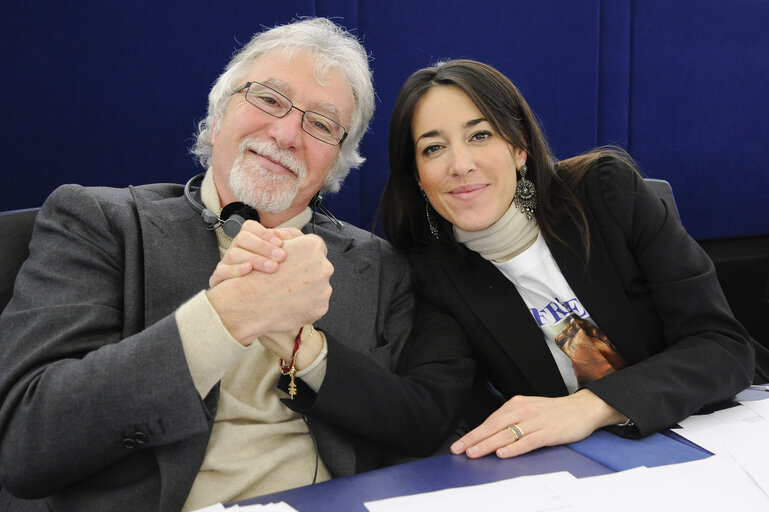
(248, 85)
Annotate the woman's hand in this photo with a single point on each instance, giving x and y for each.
(282, 345)
(539, 422)
(254, 248)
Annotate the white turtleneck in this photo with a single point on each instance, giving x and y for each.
(505, 238)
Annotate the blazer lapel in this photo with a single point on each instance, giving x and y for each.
(598, 288)
(353, 267)
(499, 307)
(180, 253)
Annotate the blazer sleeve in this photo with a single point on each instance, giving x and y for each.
(699, 354)
(407, 389)
(80, 388)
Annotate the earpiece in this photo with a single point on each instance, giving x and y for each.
(233, 215)
(316, 203)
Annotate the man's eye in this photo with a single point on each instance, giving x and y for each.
(321, 125)
(267, 99)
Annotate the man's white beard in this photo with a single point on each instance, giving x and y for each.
(260, 188)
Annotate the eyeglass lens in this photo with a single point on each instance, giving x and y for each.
(275, 104)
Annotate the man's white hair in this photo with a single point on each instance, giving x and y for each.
(333, 48)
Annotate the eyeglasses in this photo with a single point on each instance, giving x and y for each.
(274, 103)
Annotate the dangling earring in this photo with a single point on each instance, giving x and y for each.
(525, 194)
(430, 221)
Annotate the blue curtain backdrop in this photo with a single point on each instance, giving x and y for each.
(109, 93)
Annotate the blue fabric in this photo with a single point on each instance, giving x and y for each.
(109, 94)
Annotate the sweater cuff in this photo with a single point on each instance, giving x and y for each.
(314, 374)
(208, 346)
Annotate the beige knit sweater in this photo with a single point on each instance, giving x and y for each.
(258, 445)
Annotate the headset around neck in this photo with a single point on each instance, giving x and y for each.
(235, 214)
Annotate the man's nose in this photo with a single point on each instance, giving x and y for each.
(286, 131)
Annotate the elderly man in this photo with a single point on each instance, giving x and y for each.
(139, 349)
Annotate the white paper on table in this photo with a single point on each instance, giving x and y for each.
(750, 449)
(268, 507)
(739, 432)
(709, 432)
(760, 407)
(533, 493)
(211, 508)
(716, 483)
(717, 431)
(622, 490)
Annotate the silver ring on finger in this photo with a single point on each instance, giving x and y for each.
(516, 430)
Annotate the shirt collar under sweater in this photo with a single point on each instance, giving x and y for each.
(210, 198)
(504, 239)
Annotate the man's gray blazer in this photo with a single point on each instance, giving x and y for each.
(98, 409)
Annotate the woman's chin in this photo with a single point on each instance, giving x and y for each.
(474, 224)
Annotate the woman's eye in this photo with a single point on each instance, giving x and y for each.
(428, 150)
(481, 135)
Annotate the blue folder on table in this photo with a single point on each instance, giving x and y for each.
(601, 453)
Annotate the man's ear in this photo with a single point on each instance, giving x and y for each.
(213, 129)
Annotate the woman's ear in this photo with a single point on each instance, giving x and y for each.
(416, 178)
(520, 157)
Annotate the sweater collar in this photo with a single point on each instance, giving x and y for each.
(210, 197)
(507, 237)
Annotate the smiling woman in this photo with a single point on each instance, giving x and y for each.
(571, 279)
(466, 169)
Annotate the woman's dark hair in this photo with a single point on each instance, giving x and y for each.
(402, 206)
